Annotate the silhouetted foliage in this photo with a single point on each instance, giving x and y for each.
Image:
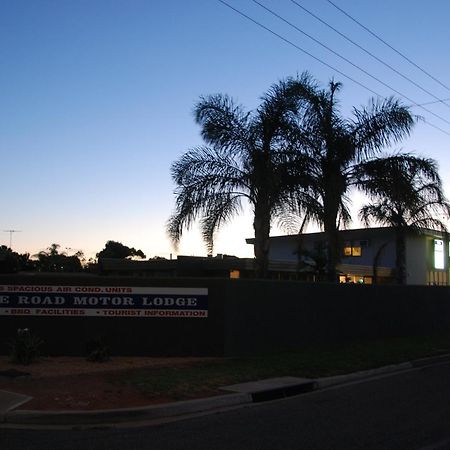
(117, 250)
(407, 194)
(11, 261)
(340, 148)
(52, 260)
(295, 158)
(251, 157)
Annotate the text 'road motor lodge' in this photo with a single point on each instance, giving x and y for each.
(126, 301)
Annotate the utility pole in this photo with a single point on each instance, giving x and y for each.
(10, 235)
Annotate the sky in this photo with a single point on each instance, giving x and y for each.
(96, 101)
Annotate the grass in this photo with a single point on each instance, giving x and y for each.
(205, 378)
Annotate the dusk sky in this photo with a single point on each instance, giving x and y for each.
(96, 100)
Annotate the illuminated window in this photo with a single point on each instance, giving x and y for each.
(234, 274)
(439, 254)
(347, 251)
(351, 250)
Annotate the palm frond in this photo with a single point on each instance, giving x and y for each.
(212, 168)
(203, 176)
(221, 209)
(379, 125)
(223, 123)
(406, 191)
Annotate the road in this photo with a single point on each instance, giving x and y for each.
(407, 411)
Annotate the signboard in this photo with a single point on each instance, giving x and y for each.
(103, 301)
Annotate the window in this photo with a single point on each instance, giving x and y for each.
(439, 254)
(352, 249)
(355, 279)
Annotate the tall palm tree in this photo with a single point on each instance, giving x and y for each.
(406, 193)
(338, 147)
(250, 156)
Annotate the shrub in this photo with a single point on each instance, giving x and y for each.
(97, 350)
(25, 347)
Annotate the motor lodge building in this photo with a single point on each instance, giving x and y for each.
(366, 254)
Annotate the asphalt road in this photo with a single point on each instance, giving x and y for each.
(408, 410)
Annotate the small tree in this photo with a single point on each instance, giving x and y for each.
(117, 250)
(9, 260)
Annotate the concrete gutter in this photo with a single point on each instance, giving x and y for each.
(247, 393)
(124, 414)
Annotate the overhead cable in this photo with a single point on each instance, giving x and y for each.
(388, 45)
(369, 53)
(318, 59)
(350, 62)
(299, 48)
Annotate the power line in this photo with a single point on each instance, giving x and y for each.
(349, 62)
(437, 101)
(388, 45)
(370, 53)
(436, 127)
(316, 58)
(299, 48)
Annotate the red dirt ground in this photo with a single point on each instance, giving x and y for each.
(67, 383)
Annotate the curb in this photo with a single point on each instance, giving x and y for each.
(422, 362)
(111, 416)
(364, 374)
(385, 370)
(24, 417)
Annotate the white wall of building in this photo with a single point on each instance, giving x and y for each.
(419, 252)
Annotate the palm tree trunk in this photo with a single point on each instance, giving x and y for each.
(261, 226)
(332, 253)
(400, 262)
(331, 233)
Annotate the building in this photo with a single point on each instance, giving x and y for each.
(220, 266)
(368, 255)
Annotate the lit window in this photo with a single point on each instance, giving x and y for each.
(439, 254)
(350, 250)
(234, 274)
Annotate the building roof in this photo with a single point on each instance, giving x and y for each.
(353, 231)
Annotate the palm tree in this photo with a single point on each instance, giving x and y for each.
(406, 193)
(338, 148)
(250, 156)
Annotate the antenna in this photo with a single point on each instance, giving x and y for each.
(10, 235)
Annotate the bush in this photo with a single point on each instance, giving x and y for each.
(25, 347)
(97, 350)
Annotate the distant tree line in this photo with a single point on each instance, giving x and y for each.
(53, 259)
